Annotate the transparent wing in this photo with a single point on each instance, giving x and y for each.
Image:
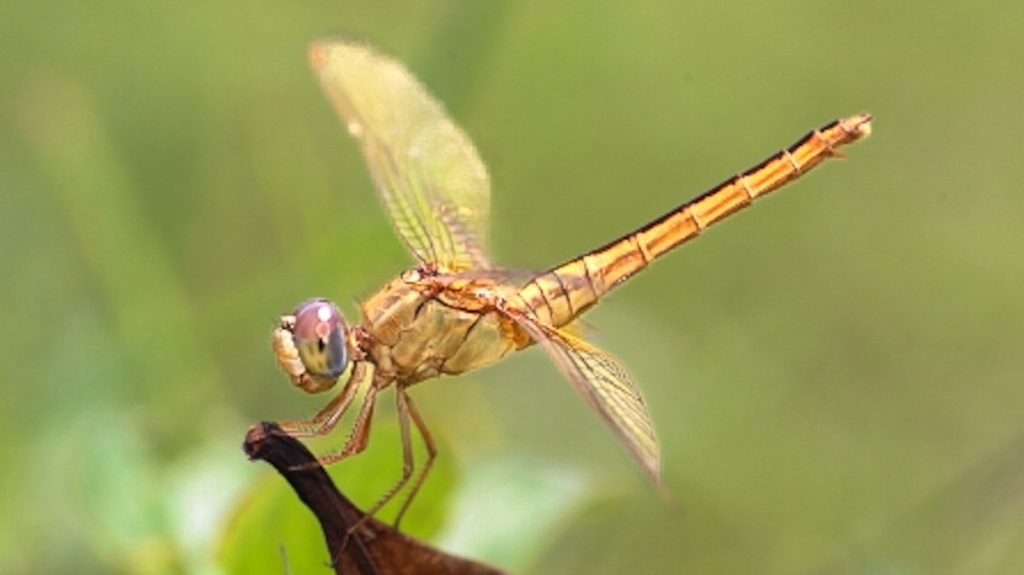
(434, 186)
(606, 386)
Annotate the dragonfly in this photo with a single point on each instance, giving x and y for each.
(455, 310)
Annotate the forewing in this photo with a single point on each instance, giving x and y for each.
(606, 386)
(433, 184)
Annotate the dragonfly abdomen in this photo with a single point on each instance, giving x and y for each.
(564, 292)
(560, 295)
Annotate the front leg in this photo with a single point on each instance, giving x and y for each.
(360, 436)
(324, 421)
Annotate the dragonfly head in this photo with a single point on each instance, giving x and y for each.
(310, 345)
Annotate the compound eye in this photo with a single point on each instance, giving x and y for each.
(319, 336)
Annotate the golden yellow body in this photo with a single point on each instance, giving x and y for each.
(456, 311)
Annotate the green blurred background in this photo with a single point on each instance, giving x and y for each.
(835, 374)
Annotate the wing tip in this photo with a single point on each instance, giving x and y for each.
(318, 54)
(322, 50)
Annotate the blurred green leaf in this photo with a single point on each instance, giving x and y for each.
(203, 489)
(508, 511)
(272, 532)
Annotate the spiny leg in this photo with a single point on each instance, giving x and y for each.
(408, 462)
(325, 420)
(357, 440)
(356, 443)
(360, 436)
(428, 440)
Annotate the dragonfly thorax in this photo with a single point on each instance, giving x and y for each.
(422, 325)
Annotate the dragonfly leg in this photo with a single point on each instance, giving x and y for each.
(428, 440)
(360, 436)
(408, 462)
(325, 420)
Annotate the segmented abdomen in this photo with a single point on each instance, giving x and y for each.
(561, 294)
